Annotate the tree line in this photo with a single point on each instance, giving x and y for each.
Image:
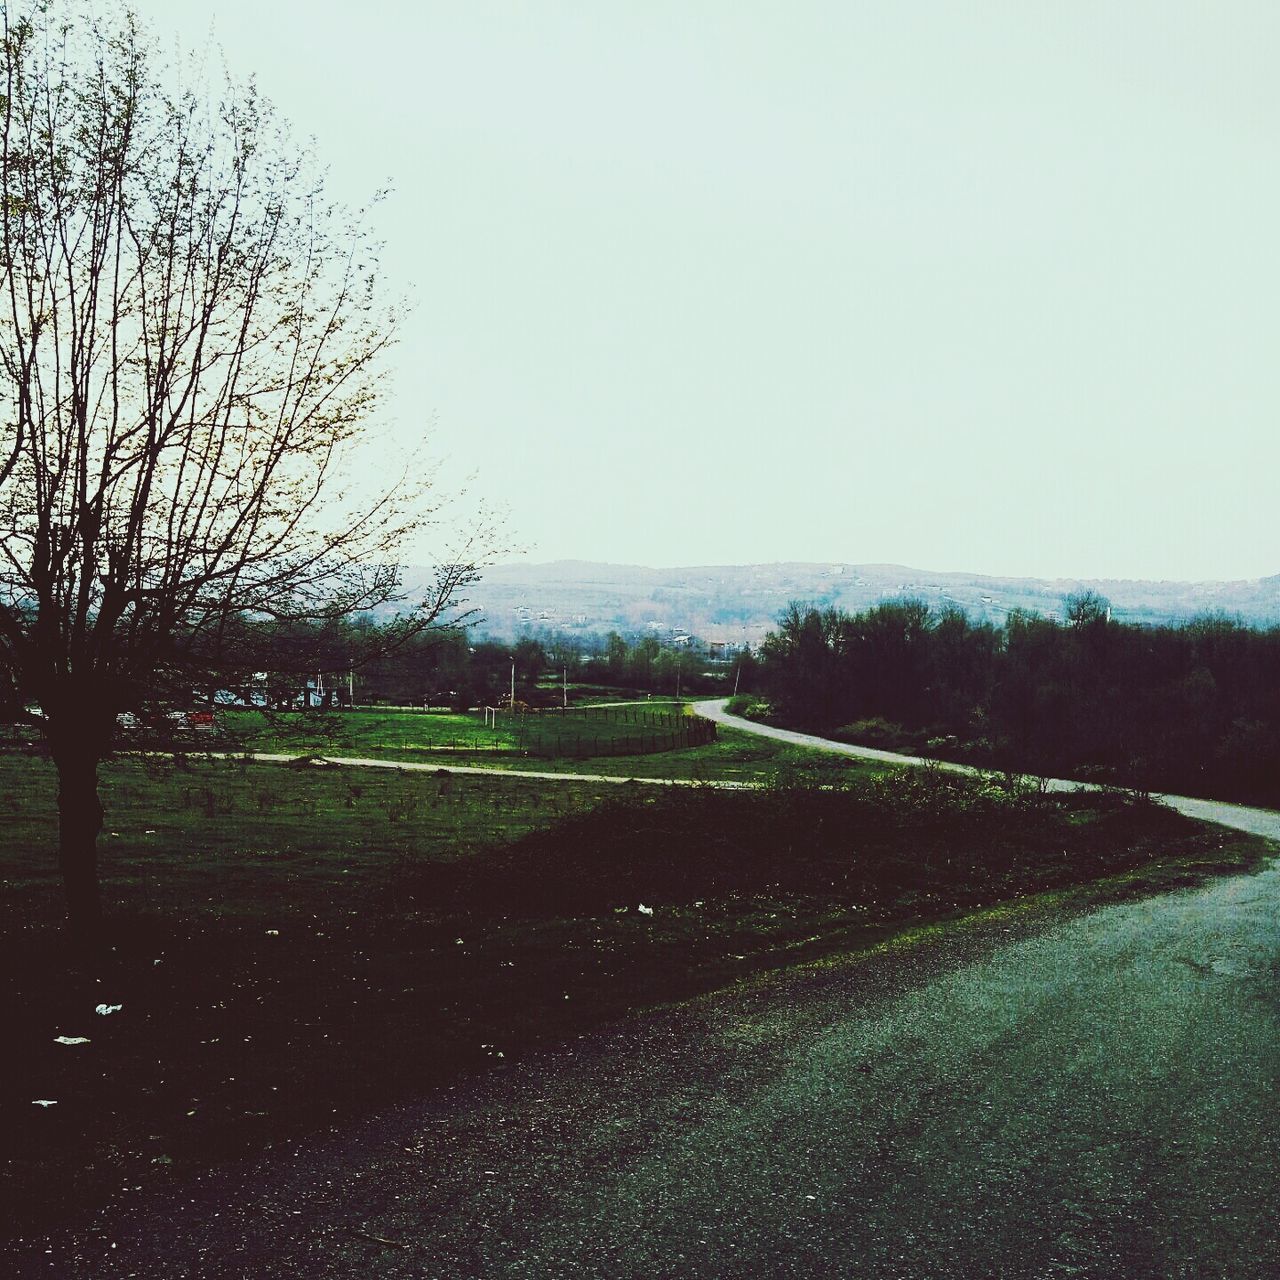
(1193, 707)
(452, 666)
(643, 662)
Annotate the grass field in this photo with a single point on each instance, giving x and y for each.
(414, 737)
(299, 944)
(578, 732)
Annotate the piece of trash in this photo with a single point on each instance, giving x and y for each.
(457, 942)
(273, 933)
(619, 911)
(644, 911)
(369, 1235)
(105, 1009)
(70, 1039)
(150, 831)
(44, 1102)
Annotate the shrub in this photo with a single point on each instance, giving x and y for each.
(883, 734)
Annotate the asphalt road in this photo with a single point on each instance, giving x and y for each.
(1042, 1094)
(1259, 822)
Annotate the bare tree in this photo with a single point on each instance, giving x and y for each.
(1086, 608)
(190, 338)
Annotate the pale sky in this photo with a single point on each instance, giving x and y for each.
(977, 286)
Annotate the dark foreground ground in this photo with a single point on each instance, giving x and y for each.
(1040, 1093)
(297, 947)
(309, 948)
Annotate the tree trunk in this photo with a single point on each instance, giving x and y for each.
(79, 822)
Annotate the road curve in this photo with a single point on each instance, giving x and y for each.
(1039, 1094)
(1258, 822)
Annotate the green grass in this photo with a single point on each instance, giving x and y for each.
(445, 738)
(578, 732)
(585, 694)
(297, 945)
(735, 756)
(365, 732)
(221, 817)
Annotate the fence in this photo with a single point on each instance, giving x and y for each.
(610, 731)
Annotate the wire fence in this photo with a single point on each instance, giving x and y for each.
(610, 731)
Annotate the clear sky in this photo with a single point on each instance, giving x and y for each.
(974, 285)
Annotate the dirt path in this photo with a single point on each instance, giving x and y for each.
(414, 766)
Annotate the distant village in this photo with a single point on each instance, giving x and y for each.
(529, 621)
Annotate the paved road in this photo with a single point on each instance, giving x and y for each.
(1040, 1094)
(1261, 822)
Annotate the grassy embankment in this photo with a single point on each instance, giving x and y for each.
(298, 944)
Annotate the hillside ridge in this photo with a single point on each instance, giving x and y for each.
(740, 603)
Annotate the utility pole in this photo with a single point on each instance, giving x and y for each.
(513, 686)
(737, 675)
(351, 690)
(564, 678)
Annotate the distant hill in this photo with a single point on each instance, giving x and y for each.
(741, 602)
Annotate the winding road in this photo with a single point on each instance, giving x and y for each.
(1040, 1093)
(1258, 822)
